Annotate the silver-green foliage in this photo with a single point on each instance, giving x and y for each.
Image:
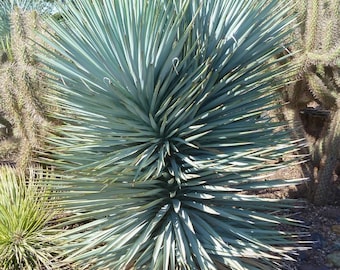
(165, 110)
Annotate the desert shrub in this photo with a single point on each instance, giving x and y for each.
(22, 90)
(166, 127)
(314, 98)
(26, 240)
(7, 7)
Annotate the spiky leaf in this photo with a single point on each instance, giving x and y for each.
(165, 106)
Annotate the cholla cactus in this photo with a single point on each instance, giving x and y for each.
(316, 93)
(22, 90)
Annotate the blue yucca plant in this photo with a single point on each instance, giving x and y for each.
(166, 127)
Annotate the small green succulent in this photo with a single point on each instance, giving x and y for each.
(26, 241)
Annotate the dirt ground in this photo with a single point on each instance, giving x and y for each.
(322, 226)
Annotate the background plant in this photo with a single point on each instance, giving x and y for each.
(315, 97)
(165, 109)
(7, 6)
(26, 241)
(22, 90)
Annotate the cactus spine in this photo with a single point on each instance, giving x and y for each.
(22, 90)
(316, 93)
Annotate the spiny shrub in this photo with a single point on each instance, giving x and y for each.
(22, 90)
(165, 128)
(6, 8)
(316, 94)
(26, 241)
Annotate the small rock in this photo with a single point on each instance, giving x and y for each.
(334, 258)
(317, 240)
(331, 213)
(337, 245)
(336, 228)
(303, 255)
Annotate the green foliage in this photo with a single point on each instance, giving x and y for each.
(26, 241)
(318, 85)
(22, 89)
(165, 106)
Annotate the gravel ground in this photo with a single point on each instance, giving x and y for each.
(322, 226)
(324, 229)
